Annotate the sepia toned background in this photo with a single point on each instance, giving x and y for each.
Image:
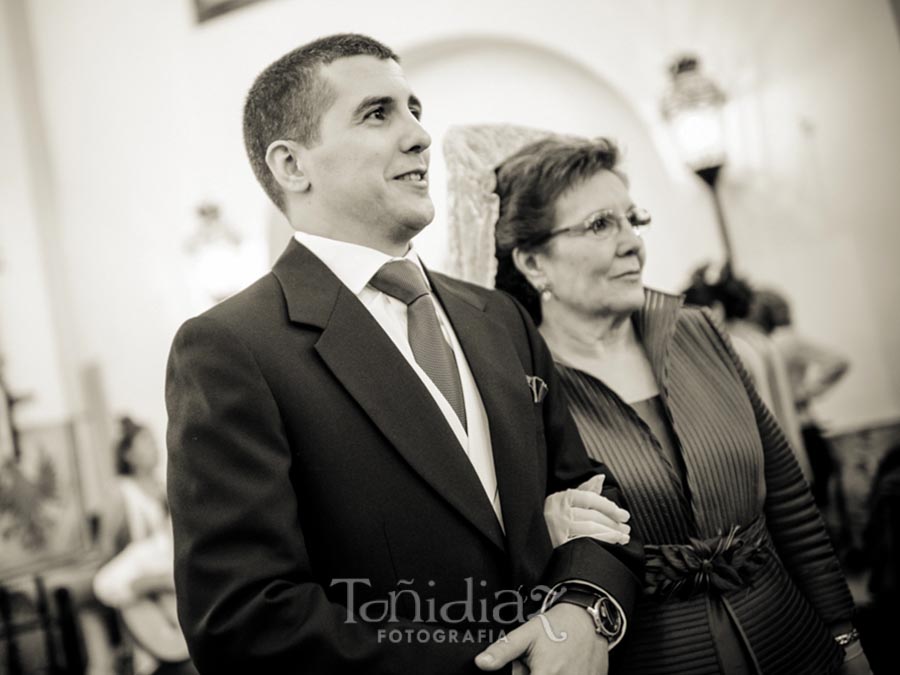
(127, 204)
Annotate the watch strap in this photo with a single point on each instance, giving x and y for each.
(608, 619)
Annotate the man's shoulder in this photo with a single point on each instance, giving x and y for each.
(489, 298)
(252, 304)
(264, 289)
(248, 318)
(460, 284)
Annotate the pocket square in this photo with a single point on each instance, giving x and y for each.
(538, 388)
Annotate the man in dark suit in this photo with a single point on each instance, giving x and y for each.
(360, 449)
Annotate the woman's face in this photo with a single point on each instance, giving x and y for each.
(592, 275)
(143, 455)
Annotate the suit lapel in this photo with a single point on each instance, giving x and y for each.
(372, 370)
(507, 401)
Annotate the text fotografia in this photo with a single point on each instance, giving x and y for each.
(439, 636)
(506, 607)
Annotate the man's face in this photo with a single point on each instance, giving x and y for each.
(368, 172)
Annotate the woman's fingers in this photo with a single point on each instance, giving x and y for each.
(590, 500)
(579, 515)
(596, 531)
(585, 513)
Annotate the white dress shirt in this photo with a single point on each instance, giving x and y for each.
(355, 266)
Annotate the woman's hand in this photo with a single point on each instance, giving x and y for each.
(855, 661)
(583, 512)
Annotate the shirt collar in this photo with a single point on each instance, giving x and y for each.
(353, 264)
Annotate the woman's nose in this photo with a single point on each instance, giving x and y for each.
(628, 239)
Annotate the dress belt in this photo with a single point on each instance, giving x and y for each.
(726, 562)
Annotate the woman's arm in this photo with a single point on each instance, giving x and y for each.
(792, 517)
(821, 367)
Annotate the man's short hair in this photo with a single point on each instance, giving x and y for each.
(288, 99)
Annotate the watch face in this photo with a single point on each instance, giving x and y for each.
(610, 616)
(607, 619)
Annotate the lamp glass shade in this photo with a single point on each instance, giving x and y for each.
(700, 137)
(215, 253)
(693, 109)
(217, 266)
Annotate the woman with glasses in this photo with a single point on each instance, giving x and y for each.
(740, 576)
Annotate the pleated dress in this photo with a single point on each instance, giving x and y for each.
(741, 576)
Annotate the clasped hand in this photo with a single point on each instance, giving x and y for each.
(562, 640)
(583, 512)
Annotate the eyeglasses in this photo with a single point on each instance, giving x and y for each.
(603, 224)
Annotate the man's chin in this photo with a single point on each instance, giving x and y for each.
(418, 219)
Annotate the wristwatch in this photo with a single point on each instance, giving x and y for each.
(603, 610)
(847, 638)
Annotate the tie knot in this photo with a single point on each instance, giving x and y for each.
(400, 279)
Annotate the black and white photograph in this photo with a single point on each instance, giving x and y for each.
(449, 338)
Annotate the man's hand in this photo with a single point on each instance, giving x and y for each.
(560, 641)
(583, 512)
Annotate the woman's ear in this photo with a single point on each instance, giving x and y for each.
(284, 161)
(530, 265)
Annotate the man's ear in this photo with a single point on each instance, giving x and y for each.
(283, 160)
(529, 264)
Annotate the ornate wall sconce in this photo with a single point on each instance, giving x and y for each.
(693, 109)
(215, 254)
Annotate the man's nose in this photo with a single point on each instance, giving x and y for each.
(416, 139)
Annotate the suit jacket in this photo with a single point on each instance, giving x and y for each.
(314, 484)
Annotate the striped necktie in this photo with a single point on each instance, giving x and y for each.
(401, 279)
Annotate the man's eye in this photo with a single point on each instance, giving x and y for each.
(416, 113)
(377, 113)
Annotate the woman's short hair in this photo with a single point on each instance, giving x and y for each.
(736, 296)
(128, 431)
(529, 183)
(770, 309)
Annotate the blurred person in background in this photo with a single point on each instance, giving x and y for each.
(733, 298)
(138, 580)
(700, 290)
(741, 577)
(812, 370)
